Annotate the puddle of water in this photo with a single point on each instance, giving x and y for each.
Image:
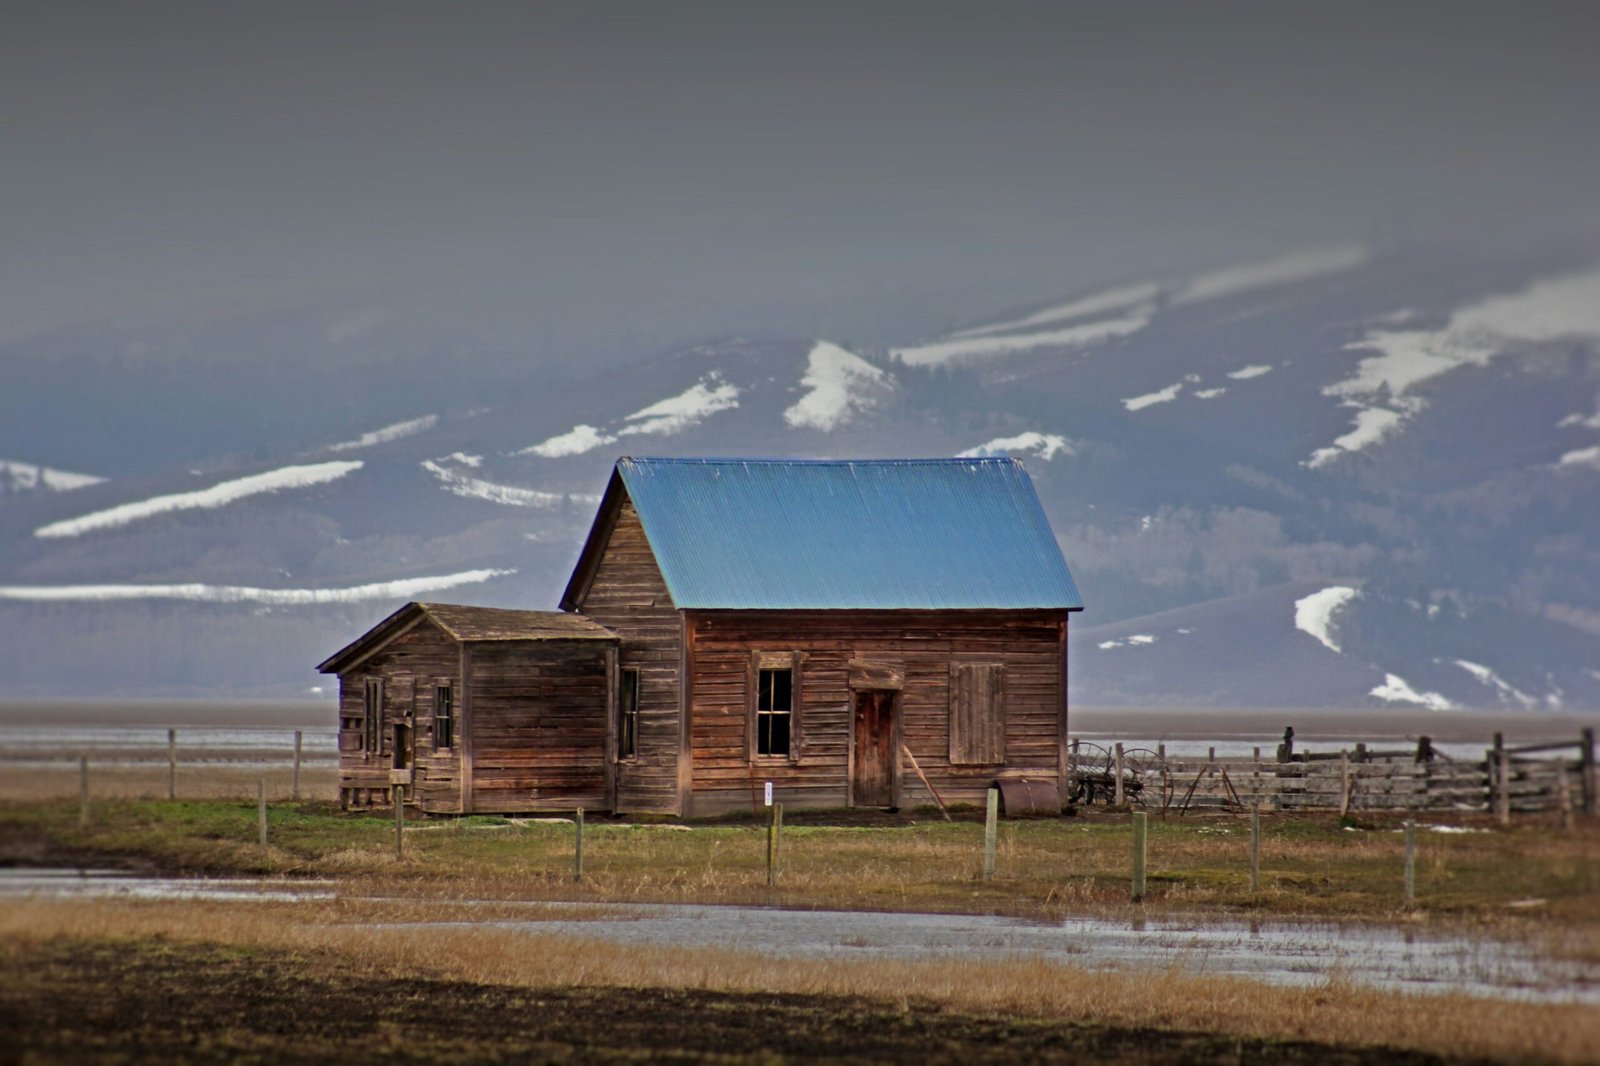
(1281, 953)
(110, 884)
(1278, 953)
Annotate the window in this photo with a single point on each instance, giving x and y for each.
(774, 711)
(628, 715)
(372, 721)
(977, 714)
(444, 717)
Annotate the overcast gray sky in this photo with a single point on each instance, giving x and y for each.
(535, 167)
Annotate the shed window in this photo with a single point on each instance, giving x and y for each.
(774, 711)
(977, 714)
(628, 715)
(372, 717)
(444, 717)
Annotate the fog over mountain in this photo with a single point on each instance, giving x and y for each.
(1294, 317)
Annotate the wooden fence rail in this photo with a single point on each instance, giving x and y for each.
(1530, 778)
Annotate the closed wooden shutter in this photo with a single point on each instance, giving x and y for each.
(977, 714)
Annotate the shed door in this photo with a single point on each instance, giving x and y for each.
(873, 783)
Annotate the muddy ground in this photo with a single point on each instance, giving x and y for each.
(157, 1001)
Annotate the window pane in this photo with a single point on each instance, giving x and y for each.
(774, 690)
(780, 734)
(628, 714)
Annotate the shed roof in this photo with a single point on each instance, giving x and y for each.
(790, 534)
(470, 624)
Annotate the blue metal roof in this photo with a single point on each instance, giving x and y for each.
(849, 534)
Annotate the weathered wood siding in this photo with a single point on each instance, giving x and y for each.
(538, 732)
(629, 596)
(910, 649)
(410, 667)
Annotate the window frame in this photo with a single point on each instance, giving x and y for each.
(996, 721)
(628, 717)
(372, 716)
(444, 736)
(792, 661)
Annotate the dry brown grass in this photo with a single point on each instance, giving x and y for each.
(1336, 1012)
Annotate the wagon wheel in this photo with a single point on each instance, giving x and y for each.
(1091, 774)
(1146, 779)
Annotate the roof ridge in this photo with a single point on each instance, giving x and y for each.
(709, 460)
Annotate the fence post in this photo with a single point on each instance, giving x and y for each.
(261, 811)
(1502, 792)
(577, 847)
(83, 791)
(991, 817)
(1411, 862)
(1586, 780)
(1255, 849)
(1563, 796)
(399, 821)
(1344, 782)
(294, 787)
(172, 764)
(772, 844)
(1140, 833)
(1116, 784)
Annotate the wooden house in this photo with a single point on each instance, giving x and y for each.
(858, 633)
(477, 709)
(822, 624)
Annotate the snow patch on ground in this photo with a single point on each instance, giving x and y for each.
(577, 440)
(396, 431)
(1581, 457)
(1489, 679)
(690, 407)
(1117, 299)
(1284, 270)
(839, 384)
(1313, 614)
(478, 489)
(1548, 310)
(1166, 395)
(288, 477)
(1254, 370)
(1396, 690)
(1046, 445)
(405, 589)
(1079, 336)
(27, 477)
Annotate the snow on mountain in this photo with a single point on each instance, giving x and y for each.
(970, 348)
(1283, 270)
(1589, 457)
(402, 589)
(395, 431)
(690, 407)
(1150, 399)
(838, 384)
(220, 495)
(1551, 309)
(473, 488)
(1490, 679)
(577, 440)
(1314, 613)
(1117, 299)
(29, 477)
(1045, 445)
(1396, 689)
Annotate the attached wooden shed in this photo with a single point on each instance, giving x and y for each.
(478, 709)
(842, 629)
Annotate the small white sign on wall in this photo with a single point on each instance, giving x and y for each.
(769, 793)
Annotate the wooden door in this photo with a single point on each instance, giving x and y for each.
(873, 782)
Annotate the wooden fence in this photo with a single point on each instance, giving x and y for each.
(1529, 778)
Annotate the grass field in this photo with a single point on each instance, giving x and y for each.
(1312, 866)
